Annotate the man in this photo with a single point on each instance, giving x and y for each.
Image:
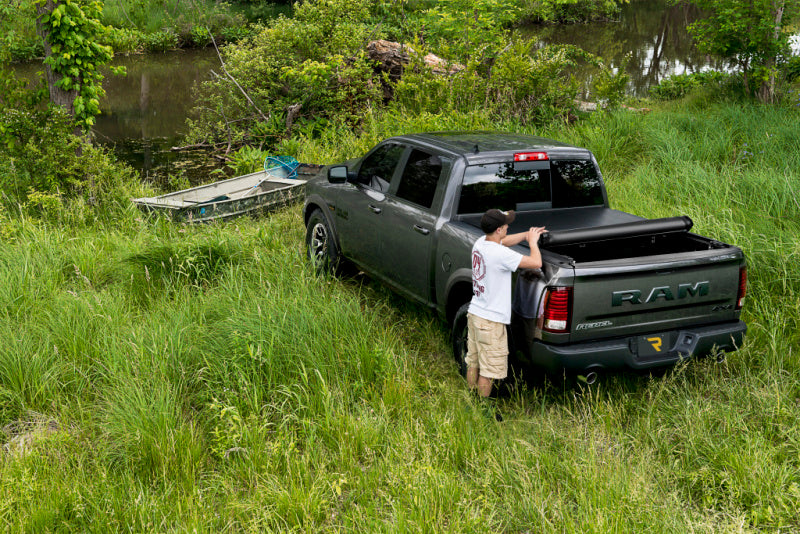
(490, 309)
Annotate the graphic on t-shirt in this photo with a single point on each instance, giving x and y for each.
(478, 273)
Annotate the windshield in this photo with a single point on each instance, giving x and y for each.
(534, 185)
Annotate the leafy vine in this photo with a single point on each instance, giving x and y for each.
(74, 33)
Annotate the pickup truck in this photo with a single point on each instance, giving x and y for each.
(615, 290)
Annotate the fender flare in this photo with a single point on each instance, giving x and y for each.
(316, 202)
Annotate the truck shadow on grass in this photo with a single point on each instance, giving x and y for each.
(427, 339)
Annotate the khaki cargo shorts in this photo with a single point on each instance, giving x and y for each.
(487, 347)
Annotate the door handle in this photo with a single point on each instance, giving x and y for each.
(374, 209)
(421, 230)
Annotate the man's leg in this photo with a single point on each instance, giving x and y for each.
(484, 386)
(471, 357)
(472, 377)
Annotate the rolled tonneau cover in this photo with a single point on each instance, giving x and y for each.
(615, 231)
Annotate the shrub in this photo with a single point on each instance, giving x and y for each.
(530, 87)
(791, 68)
(248, 159)
(570, 10)
(41, 159)
(303, 72)
(680, 85)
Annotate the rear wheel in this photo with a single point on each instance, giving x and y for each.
(458, 336)
(321, 246)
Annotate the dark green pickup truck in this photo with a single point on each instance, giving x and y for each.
(615, 290)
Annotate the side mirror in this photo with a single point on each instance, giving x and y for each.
(339, 175)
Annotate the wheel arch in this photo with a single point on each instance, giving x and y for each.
(458, 294)
(316, 203)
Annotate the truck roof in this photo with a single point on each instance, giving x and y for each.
(485, 143)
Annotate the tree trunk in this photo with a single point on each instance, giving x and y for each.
(767, 91)
(58, 96)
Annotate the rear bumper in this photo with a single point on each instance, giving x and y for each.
(621, 353)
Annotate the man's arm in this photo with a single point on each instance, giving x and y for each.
(534, 259)
(514, 239)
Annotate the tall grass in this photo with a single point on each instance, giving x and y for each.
(163, 377)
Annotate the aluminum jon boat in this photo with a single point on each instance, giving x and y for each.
(282, 182)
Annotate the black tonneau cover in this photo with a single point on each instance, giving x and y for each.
(562, 219)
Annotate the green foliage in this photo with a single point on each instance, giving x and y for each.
(528, 86)
(165, 269)
(136, 27)
(754, 34)
(247, 159)
(311, 63)
(160, 41)
(458, 29)
(146, 429)
(609, 86)
(74, 33)
(791, 68)
(309, 73)
(161, 25)
(679, 85)
(181, 16)
(124, 40)
(570, 11)
(18, 31)
(41, 155)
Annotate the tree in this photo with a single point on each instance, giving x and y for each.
(72, 35)
(752, 33)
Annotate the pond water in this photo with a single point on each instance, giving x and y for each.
(650, 40)
(144, 113)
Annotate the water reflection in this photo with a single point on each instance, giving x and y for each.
(144, 113)
(650, 38)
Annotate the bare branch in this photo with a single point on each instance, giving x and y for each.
(228, 74)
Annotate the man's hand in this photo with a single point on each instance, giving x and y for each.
(534, 259)
(534, 233)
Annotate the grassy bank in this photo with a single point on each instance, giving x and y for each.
(159, 377)
(150, 25)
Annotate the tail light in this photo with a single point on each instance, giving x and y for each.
(531, 156)
(742, 287)
(557, 309)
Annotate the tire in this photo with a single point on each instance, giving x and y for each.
(321, 248)
(458, 335)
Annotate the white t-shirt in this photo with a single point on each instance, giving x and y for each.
(492, 265)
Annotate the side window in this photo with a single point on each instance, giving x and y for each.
(377, 169)
(420, 178)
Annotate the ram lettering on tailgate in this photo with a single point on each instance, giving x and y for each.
(634, 296)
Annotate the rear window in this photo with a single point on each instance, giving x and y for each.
(575, 183)
(533, 185)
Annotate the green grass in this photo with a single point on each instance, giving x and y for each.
(162, 377)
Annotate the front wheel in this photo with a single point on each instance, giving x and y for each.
(321, 246)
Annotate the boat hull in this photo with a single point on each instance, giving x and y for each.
(251, 194)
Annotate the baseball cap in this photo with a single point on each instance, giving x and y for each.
(494, 219)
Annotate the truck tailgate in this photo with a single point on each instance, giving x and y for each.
(655, 293)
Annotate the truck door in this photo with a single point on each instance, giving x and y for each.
(410, 232)
(363, 203)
